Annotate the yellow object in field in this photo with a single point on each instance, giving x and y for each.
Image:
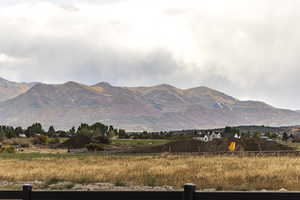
(231, 146)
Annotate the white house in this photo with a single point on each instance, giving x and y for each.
(209, 136)
(22, 135)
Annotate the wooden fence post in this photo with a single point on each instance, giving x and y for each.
(27, 192)
(189, 192)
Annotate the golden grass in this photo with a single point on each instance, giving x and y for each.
(97, 88)
(291, 144)
(222, 172)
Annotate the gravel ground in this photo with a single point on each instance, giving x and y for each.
(65, 185)
(40, 185)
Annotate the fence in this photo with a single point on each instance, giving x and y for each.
(228, 153)
(189, 193)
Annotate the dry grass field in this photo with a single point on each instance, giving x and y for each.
(222, 173)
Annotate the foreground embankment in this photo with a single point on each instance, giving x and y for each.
(220, 172)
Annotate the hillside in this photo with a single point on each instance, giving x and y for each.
(161, 107)
(9, 89)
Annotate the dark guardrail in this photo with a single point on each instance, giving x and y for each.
(189, 193)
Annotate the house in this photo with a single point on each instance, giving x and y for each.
(205, 138)
(22, 136)
(208, 136)
(216, 135)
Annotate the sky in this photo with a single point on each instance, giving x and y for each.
(248, 49)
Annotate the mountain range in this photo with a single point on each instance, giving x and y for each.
(9, 89)
(160, 107)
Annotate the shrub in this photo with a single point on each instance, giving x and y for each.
(94, 147)
(54, 141)
(150, 180)
(9, 149)
(53, 180)
(20, 144)
(40, 139)
(296, 140)
(121, 183)
(102, 140)
(25, 145)
(85, 180)
(69, 185)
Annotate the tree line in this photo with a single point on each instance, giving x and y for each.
(37, 129)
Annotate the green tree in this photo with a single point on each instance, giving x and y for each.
(85, 132)
(10, 134)
(274, 136)
(103, 130)
(229, 132)
(19, 130)
(285, 136)
(72, 131)
(51, 131)
(2, 135)
(256, 134)
(34, 129)
(83, 126)
(122, 133)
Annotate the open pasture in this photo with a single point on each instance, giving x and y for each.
(220, 172)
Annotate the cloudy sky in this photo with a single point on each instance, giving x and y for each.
(246, 48)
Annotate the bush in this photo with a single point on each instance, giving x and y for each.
(53, 180)
(25, 145)
(20, 144)
(102, 140)
(54, 141)
(150, 180)
(40, 139)
(9, 149)
(296, 139)
(120, 183)
(94, 147)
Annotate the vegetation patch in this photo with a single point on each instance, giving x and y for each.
(9, 149)
(53, 180)
(94, 147)
(217, 145)
(219, 172)
(120, 183)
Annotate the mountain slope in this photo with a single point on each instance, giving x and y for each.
(159, 107)
(9, 89)
(71, 103)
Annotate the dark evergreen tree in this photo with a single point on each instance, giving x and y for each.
(122, 133)
(285, 136)
(51, 132)
(34, 129)
(19, 130)
(72, 132)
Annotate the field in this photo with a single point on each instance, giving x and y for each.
(140, 141)
(127, 144)
(291, 144)
(219, 172)
(116, 145)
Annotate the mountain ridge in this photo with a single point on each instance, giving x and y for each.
(10, 89)
(159, 107)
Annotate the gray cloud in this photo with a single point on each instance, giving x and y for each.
(250, 52)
